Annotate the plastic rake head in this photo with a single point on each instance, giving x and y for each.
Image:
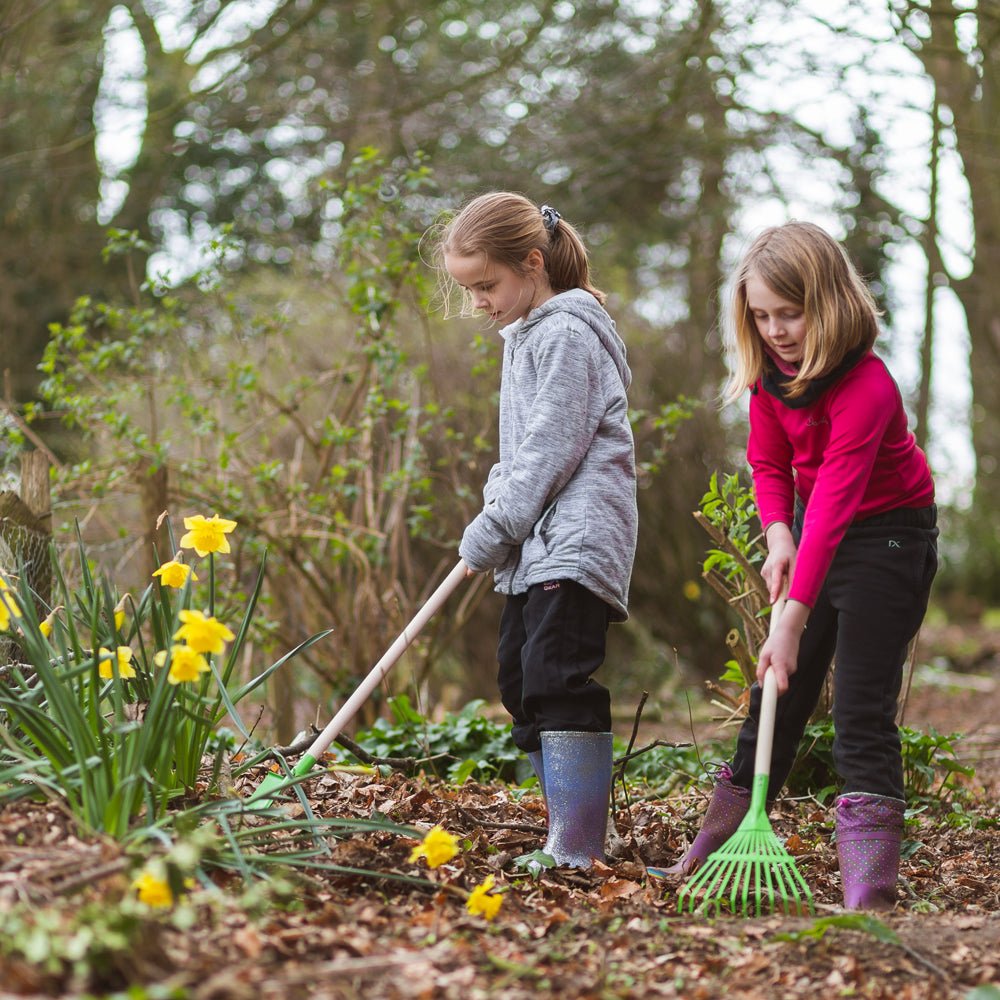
(750, 874)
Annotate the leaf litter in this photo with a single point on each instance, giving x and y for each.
(602, 933)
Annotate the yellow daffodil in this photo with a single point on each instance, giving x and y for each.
(174, 574)
(123, 656)
(46, 626)
(153, 891)
(120, 611)
(207, 535)
(185, 664)
(9, 607)
(202, 633)
(482, 901)
(437, 847)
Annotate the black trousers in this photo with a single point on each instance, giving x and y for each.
(551, 640)
(872, 603)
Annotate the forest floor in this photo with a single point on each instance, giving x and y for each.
(604, 933)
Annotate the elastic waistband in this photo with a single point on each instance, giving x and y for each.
(902, 517)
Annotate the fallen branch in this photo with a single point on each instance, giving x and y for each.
(494, 825)
(408, 765)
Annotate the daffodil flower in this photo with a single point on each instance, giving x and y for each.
(202, 633)
(9, 607)
(174, 574)
(185, 664)
(153, 891)
(46, 626)
(207, 535)
(120, 611)
(123, 656)
(438, 846)
(481, 901)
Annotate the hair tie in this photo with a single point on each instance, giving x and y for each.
(550, 218)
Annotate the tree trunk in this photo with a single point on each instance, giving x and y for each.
(970, 87)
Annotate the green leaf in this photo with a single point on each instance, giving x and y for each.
(846, 921)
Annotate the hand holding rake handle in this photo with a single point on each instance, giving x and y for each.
(272, 782)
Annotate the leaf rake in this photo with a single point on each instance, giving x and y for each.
(752, 870)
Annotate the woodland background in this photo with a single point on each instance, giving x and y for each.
(212, 295)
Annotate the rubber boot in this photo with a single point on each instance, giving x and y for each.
(869, 837)
(614, 844)
(725, 812)
(578, 795)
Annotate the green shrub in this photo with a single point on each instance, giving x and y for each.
(462, 745)
(930, 767)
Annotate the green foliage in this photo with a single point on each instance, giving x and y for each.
(654, 432)
(729, 506)
(986, 991)
(728, 515)
(663, 768)
(98, 714)
(844, 921)
(930, 767)
(95, 940)
(460, 746)
(305, 415)
(114, 941)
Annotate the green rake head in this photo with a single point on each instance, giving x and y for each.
(751, 873)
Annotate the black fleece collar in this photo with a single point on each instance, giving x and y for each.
(774, 380)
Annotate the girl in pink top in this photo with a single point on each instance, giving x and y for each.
(846, 501)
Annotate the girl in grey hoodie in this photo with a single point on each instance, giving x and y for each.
(558, 528)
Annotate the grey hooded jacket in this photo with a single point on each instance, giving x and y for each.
(560, 503)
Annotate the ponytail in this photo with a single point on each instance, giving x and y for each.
(567, 261)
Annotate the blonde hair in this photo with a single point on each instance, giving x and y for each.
(506, 227)
(805, 265)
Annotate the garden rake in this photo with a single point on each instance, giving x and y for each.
(752, 869)
(276, 781)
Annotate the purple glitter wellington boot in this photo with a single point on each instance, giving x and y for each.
(577, 768)
(869, 836)
(725, 812)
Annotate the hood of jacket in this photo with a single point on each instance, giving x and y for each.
(584, 307)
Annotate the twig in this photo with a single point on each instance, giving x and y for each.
(406, 764)
(494, 825)
(742, 655)
(916, 956)
(94, 875)
(625, 758)
(910, 664)
(635, 723)
(619, 773)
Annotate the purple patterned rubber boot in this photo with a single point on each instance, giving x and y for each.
(725, 812)
(869, 836)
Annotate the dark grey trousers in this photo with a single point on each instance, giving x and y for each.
(872, 603)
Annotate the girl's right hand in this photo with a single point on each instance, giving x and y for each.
(780, 561)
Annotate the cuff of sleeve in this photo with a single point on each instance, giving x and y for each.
(479, 550)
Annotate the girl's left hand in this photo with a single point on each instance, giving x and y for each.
(780, 652)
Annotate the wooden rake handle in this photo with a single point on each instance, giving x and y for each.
(387, 662)
(769, 699)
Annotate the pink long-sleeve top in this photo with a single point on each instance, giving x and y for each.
(848, 454)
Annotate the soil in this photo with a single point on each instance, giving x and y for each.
(608, 932)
